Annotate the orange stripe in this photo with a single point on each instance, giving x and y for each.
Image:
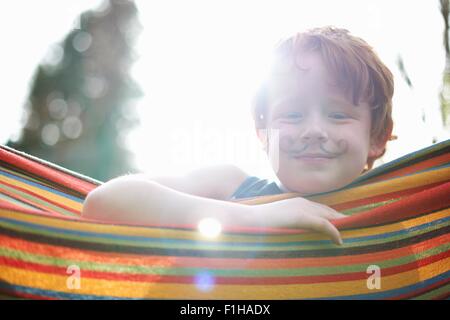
(21, 199)
(48, 171)
(196, 262)
(384, 197)
(429, 163)
(231, 280)
(36, 195)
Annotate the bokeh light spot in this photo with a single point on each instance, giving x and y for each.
(72, 127)
(57, 109)
(50, 134)
(94, 87)
(82, 41)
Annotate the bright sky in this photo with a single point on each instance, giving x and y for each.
(201, 60)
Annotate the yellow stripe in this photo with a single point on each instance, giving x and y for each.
(406, 224)
(44, 193)
(193, 235)
(128, 289)
(387, 186)
(367, 190)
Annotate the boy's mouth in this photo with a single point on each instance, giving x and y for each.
(312, 155)
(313, 158)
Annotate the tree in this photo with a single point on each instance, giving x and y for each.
(445, 93)
(81, 102)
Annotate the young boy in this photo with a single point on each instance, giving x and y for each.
(323, 116)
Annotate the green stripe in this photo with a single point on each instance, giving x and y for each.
(161, 270)
(160, 243)
(3, 297)
(368, 207)
(51, 165)
(425, 153)
(30, 177)
(26, 177)
(433, 293)
(7, 198)
(40, 201)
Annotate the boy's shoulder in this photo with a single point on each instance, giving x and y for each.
(215, 181)
(218, 181)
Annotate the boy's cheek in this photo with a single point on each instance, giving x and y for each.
(286, 139)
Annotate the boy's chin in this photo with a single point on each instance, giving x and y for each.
(313, 187)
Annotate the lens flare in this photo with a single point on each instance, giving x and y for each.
(204, 281)
(209, 227)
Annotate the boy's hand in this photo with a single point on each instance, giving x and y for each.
(299, 213)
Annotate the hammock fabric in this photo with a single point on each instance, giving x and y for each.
(398, 222)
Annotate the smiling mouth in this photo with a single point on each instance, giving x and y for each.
(313, 159)
(312, 156)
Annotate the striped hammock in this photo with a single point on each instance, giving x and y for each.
(396, 242)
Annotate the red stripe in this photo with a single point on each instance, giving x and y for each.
(420, 291)
(221, 279)
(418, 204)
(423, 202)
(428, 200)
(50, 173)
(34, 212)
(23, 200)
(382, 197)
(20, 294)
(423, 165)
(31, 193)
(442, 296)
(215, 263)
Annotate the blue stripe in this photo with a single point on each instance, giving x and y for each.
(62, 194)
(206, 243)
(7, 288)
(426, 153)
(358, 181)
(395, 292)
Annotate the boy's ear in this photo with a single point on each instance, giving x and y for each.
(376, 149)
(262, 136)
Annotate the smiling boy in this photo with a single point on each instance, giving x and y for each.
(323, 117)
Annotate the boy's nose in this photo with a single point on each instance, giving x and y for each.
(313, 132)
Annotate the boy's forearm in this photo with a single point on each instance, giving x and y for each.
(147, 202)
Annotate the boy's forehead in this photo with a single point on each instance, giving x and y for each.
(302, 73)
(303, 85)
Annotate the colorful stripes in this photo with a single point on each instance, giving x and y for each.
(399, 221)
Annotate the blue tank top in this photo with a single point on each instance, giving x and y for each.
(254, 186)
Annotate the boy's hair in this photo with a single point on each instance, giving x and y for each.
(356, 68)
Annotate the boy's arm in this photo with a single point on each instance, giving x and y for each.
(168, 200)
(189, 199)
(216, 182)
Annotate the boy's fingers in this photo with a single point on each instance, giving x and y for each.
(330, 213)
(324, 226)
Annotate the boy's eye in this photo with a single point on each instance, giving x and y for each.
(292, 116)
(338, 116)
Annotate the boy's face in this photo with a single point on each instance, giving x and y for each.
(319, 140)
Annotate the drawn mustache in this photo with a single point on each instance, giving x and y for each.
(329, 150)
